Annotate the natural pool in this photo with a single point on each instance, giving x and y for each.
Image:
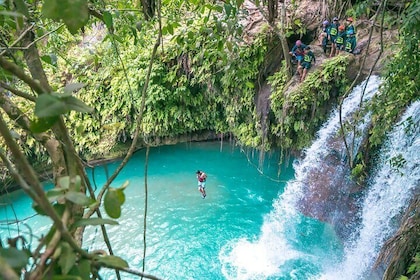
(234, 233)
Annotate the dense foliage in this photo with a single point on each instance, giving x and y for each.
(79, 77)
(401, 81)
(199, 80)
(300, 110)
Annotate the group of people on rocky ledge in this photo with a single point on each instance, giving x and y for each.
(341, 38)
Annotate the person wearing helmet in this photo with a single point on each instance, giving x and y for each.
(297, 51)
(323, 37)
(340, 39)
(306, 63)
(333, 35)
(350, 41)
(349, 25)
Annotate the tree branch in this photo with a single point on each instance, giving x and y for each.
(19, 73)
(18, 39)
(17, 92)
(34, 189)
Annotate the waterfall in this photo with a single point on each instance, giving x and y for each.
(278, 251)
(396, 179)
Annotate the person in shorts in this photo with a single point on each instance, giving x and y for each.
(201, 178)
(333, 35)
(306, 63)
(340, 40)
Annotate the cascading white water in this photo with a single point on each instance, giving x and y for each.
(280, 240)
(397, 176)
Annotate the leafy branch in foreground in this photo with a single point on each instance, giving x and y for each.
(59, 252)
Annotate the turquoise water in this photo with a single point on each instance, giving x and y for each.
(234, 233)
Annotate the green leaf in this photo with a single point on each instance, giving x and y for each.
(67, 258)
(228, 9)
(38, 209)
(48, 105)
(74, 13)
(94, 222)
(107, 16)
(165, 30)
(82, 269)
(21, 8)
(64, 182)
(77, 182)
(50, 9)
(78, 198)
(14, 257)
(53, 105)
(50, 59)
(112, 261)
(171, 29)
(249, 84)
(39, 125)
(55, 194)
(134, 32)
(113, 200)
(77, 105)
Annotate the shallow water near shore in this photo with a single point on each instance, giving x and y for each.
(223, 236)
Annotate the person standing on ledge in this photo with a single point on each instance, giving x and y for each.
(201, 177)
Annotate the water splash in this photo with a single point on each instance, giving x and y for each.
(397, 176)
(280, 249)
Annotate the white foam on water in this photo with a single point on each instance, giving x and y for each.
(388, 196)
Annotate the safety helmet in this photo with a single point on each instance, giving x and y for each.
(298, 43)
(341, 28)
(325, 22)
(335, 19)
(350, 19)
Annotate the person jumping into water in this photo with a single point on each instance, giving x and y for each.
(201, 177)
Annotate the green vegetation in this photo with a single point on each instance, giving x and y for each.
(413, 269)
(81, 79)
(401, 81)
(299, 112)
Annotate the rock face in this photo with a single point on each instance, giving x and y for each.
(330, 195)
